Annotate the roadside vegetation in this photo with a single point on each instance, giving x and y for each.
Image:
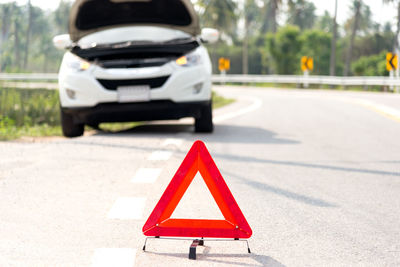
(36, 113)
(276, 35)
(219, 101)
(28, 113)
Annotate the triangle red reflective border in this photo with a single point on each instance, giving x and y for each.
(197, 160)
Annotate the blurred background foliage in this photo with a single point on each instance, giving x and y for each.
(28, 113)
(259, 36)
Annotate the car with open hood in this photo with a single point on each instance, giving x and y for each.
(134, 60)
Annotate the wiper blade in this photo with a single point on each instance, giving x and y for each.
(179, 40)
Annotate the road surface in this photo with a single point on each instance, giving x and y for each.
(316, 173)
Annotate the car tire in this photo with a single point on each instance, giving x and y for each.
(204, 124)
(69, 128)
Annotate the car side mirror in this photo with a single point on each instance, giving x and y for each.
(62, 41)
(209, 35)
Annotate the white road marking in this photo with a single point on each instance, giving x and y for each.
(127, 208)
(257, 103)
(173, 141)
(146, 175)
(115, 257)
(160, 155)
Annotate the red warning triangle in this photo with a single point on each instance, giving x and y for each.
(197, 160)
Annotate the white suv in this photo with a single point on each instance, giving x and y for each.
(134, 60)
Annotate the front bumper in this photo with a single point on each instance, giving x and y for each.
(98, 85)
(148, 111)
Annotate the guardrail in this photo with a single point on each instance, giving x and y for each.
(28, 77)
(274, 79)
(298, 79)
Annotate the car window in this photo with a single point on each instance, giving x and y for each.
(136, 33)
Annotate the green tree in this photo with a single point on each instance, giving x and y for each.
(324, 22)
(360, 21)
(61, 17)
(18, 47)
(373, 44)
(17, 35)
(271, 11)
(320, 53)
(301, 13)
(219, 14)
(6, 12)
(395, 43)
(252, 14)
(43, 51)
(332, 63)
(257, 52)
(284, 49)
(28, 33)
(354, 22)
(374, 65)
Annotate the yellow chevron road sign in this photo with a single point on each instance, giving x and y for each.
(307, 63)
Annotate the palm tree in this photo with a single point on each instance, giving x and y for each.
(6, 12)
(61, 16)
(18, 22)
(272, 13)
(355, 25)
(360, 21)
(219, 14)
(269, 15)
(28, 34)
(252, 14)
(301, 13)
(396, 41)
(332, 67)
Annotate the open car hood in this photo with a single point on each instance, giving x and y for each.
(90, 16)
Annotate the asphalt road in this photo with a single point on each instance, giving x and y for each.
(316, 173)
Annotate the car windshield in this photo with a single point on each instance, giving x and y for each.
(132, 34)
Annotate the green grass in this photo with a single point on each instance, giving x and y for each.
(36, 113)
(28, 113)
(12, 132)
(219, 101)
(119, 126)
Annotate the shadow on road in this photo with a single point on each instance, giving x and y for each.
(282, 192)
(229, 259)
(304, 164)
(222, 134)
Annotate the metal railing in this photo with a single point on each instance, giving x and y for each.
(41, 79)
(28, 77)
(298, 79)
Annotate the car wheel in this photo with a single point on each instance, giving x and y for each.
(204, 124)
(69, 128)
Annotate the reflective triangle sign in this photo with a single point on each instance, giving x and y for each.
(233, 226)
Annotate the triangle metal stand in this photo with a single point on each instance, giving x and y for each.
(196, 243)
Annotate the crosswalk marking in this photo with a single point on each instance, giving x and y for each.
(160, 155)
(115, 257)
(146, 175)
(127, 208)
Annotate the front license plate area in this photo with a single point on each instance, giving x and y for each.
(137, 93)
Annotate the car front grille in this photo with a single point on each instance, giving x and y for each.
(152, 82)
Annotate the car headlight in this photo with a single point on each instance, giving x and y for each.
(191, 59)
(76, 63)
